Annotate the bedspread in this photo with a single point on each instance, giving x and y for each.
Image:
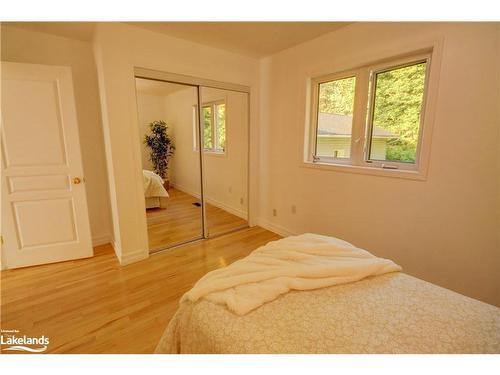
(391, 313)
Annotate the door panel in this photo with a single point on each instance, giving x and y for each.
(31, 183)
(44, 214)
(176, 216)
(41, 125)
(225, 160)
(35, 220)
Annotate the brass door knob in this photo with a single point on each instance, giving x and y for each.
(77, 180)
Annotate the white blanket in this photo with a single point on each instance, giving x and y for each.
(153, 185)
(304, 262)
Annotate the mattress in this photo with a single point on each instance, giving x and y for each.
(391, 313)
(152, 202)
(153, 185)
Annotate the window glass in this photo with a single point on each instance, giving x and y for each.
(207, 128)
(221, 127)
(397, 107)
(335, 109)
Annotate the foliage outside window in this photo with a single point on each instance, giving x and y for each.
(387, 124)
(213, 127)
(397, 104)
(208, 143)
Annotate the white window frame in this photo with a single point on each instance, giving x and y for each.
(365, 75)
(214, 128)
(374, 71)
(316, 82)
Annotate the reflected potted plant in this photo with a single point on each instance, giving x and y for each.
(161, 148)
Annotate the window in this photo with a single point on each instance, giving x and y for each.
(371, 117)
(214, 127)
(208, 128)
(397, 103)
(334, 127)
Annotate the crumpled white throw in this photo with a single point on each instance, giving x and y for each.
(304, 262)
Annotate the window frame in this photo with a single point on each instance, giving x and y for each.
(359, 161)
(374, 71)
(316, 82)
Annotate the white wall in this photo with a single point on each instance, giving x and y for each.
(149, 108)
(185, 171)
(23, 46)
(118, 49)
(445, 229)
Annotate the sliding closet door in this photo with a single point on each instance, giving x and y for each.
(225, 159)
(171, 162)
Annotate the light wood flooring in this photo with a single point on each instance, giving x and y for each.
(95, 306)
(179, 220)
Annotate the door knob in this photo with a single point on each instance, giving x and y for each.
(77, 180)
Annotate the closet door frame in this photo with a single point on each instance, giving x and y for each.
(157, 75)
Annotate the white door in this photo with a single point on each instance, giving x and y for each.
(44, 207)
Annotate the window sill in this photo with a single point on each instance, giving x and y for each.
(373, 171)
(220, 154)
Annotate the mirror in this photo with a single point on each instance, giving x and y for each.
(171, 162)
(225, 159)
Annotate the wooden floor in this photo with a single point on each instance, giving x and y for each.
(179, 220)
(95, 306)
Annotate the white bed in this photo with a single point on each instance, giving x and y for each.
(386, 313)
(153, 189)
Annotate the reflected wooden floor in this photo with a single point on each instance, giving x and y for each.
(95, 306)
(179, 220)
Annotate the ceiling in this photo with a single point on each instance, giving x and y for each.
(254, 39)
(74, 30)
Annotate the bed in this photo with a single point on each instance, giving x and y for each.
(384, 312)
(153, 189)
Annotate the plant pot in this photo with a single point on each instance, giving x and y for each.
(166, 185)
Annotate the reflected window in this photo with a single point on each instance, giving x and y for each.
(214, 127)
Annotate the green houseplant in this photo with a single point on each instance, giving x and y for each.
(162, 147)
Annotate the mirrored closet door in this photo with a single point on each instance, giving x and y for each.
(171, 162)
(225, 159)
(194, 145)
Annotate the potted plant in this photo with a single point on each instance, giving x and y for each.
(162, 148)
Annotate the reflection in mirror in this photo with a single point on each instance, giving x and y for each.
(225, 159)
(170, 162)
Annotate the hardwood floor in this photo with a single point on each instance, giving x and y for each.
(180, 220)
(95, 306)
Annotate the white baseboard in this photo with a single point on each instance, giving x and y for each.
(103, 239)
(275, 228)
(225, 207)
(185, 189)
(133, 256)
(222, 206)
